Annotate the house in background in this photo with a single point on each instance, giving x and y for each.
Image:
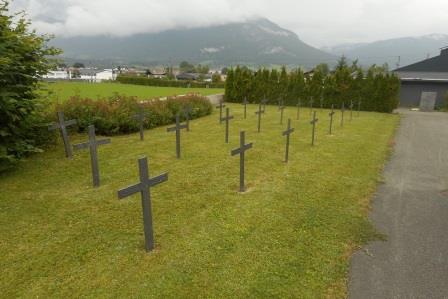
(425, 84)
(57, 75)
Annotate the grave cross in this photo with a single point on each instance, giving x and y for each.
(287, 133)
(62, 125)
(140, 117)
(93, 144)
(241, 151)
(259, 112)
(264, 102)
(177, 128)
(331, 118)
(313, 122)
(281, 108)
(187, 112)
(359, 107)
(351, 110)
(220, 106)
(144, 188)
(298, 109)
(342, 114)
(227, 119)
(245, 102)
(311, 105)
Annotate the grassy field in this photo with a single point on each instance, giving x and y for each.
(289, 235)
(63, 90)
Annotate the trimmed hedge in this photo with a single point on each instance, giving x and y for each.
(166, 83)
(114, 115)
(376, 90)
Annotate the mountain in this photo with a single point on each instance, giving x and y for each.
(404, 50)
(257, 42)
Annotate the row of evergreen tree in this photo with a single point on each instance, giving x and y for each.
(376, 89)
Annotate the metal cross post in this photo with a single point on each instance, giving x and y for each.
(187, 111)
(144, 188)
(281, 108)
(331, 118)
(227, 119)
(298, 109)
(311, 105)
(62, 125)
(241, 151)
(351, 110)
(342, 114)
(313, 122)
(177, 128)
(220, 106)
(140, 117)
(264, 102)
(259, 112)
(245, 102)
(93, 144)
(287, 133)
(359, 107)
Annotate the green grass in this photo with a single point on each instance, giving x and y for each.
(63, 90)
(289, 235)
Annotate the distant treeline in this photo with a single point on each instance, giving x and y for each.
(377, 89)
(166, 83)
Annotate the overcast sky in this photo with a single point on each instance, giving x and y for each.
(317, 22)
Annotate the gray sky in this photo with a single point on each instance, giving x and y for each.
(317, 22)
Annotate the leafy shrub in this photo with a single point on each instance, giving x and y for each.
(115, 115)
(24, 58)
(166, 83)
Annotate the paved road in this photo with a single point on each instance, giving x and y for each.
(411, 208)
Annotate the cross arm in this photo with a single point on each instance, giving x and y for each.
(287, 132)
(71, 122)
(158, 179)
(103, 141)
(53, 126)
(80, 146)
(128, 191)
(171, 129)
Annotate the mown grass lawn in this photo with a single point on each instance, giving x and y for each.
(289, 235)
(61, 91)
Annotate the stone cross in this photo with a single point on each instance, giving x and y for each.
(241, 151)
(259, 112)
(245, 102)
(177, 128)
(298, 109)
(331, 118)
(342, 114)
(93, 144)
(351, 110)
(62, 125)
(287, 133)
(313, 122)
(359, 107)
(281, 108)
(140, 117)
(144, 187)
(220, 106)
(227, 119)
(187, 112)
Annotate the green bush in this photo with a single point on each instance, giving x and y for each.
(24, 58)
(114, 115)
(166, 83)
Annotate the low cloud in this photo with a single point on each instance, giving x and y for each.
(319, 22)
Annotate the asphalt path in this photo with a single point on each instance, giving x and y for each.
(411, 209)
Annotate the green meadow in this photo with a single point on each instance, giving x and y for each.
(60, 90)
(290, 235)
